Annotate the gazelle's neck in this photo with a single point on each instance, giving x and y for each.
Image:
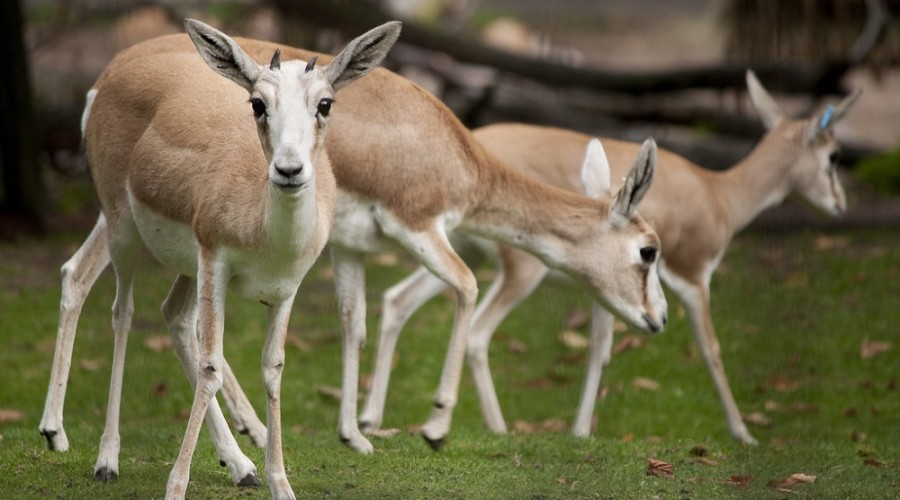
(761, 180)
(295, 221)
(533, 216)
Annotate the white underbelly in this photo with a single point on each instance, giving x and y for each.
(268, 276)
(356, 225)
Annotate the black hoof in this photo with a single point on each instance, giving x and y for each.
(222, 463)
(344, 440)
(434, 443)
(244, 431)
(49, 435)
(105, 475)
(365, 426)
(249, 481)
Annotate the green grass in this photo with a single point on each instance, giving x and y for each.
(791, 312)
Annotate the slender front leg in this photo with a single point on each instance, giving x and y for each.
(212, 277)
(272, 368)
(696, 302)
(598, 357)
(400, 302)
(180, 311)
(350, 282)
(519, 274)
(78, 277)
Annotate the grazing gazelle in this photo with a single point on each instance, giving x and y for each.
(224, 190)
(695, 211)
(408, 172)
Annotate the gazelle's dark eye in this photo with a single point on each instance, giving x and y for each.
(648, 255)
(324, 107)
(259, 107)
(834, 157)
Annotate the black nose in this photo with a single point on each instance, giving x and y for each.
(290, 171)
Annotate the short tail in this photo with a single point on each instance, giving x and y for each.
(89, 103)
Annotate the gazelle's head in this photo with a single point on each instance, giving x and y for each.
(291, 100)
(813, 152)
(619, 262)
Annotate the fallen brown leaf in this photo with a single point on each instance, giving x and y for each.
(872, 462)
(602, 392)
(659, 468)
(329, 392)
(772, 405)
(831, 242)
(757, 418)
(705, 461)
(517, 347)
(781, 383)
(793, 479)
(577, 318)
(551, 425)
(627, 437)
(871, 348)
(90, 365)
(645, 383)
(849, 412)
(739, 480)
(7, 415)
(629, 342)
(158, 343)
(160, 390)
(573, 340)
(385, 259)
(385, 433)
(295, 340)
(801, 407)
(857, 437)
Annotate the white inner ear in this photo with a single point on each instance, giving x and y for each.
(595, 175)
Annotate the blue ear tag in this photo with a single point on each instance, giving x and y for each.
(826, 117)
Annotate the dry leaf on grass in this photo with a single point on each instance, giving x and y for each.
(780, 383)
(645, 383)
(386, 259)
(873, 462)
(329, 392)
(627, 437)
(295, 340)
(7, 415)
(871, 348)
(801, 407)
(772, 405)
(659, 468)
(831, 242)
(857, 437)
(757, 418)
(629, 342)
(517, 347)
(90, 365)
(577, 318)
(158, 343)
(705, 461)
(573, 340)
(385, 433)
(792, 480)
(551, 425)
(740, 480)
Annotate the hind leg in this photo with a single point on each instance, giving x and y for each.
(79, 274)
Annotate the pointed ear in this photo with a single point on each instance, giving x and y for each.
(768, 109)
(222, 54)
(595, 175)
(362, 55)
(637, 183)
(826, 119)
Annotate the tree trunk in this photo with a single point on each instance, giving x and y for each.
(23, 187)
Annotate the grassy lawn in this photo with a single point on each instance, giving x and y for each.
(792, 312)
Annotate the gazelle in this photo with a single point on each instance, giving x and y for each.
(224, 191)
(695, 211)
(408, 172)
